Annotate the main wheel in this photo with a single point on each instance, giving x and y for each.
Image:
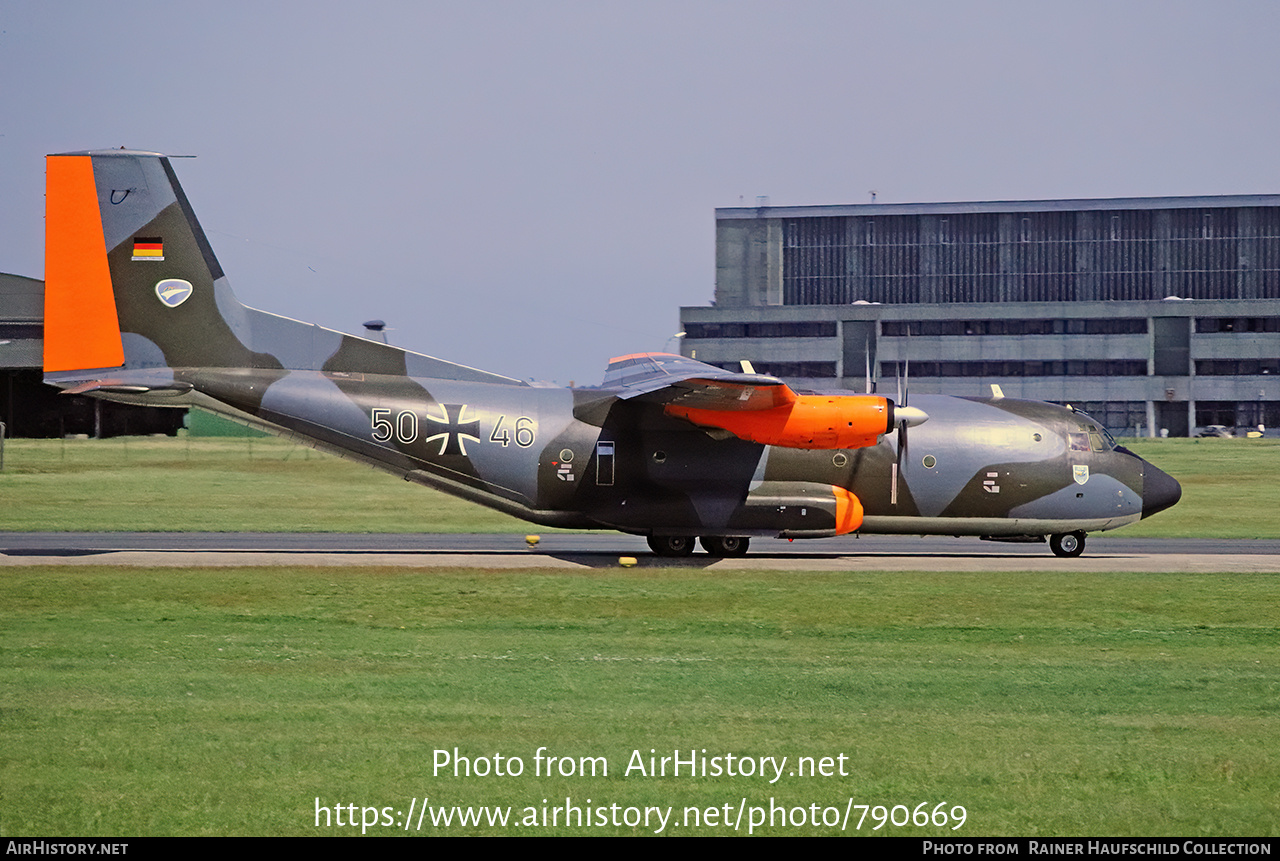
(726, 545)
(671, 545)
(1069, 544)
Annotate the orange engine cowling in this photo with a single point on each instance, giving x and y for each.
(810, 421)
(848, 510)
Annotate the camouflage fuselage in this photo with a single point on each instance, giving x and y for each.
(138, 309)
(585, 458)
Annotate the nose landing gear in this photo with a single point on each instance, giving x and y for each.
(1067, 544)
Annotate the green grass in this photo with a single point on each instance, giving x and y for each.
(1230, 489)
(140, 701)
(217, 485)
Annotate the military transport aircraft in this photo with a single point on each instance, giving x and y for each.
(138, 310)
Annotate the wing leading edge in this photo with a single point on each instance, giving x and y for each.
(755, 407)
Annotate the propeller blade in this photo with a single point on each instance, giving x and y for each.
(905, 416)
(897, 462)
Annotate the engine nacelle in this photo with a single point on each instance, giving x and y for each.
(809, 422)
(798, 509)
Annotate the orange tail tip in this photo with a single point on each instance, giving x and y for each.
(81, 329)
(848, 511)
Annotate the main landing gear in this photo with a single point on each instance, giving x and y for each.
(1067, 544)
(682, 545)
(728, 545)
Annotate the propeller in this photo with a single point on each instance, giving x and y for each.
(905, 417)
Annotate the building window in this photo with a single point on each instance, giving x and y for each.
(786, 369)
(1215, 325)
(1075, 368)
(1237, 368)
(801, 329)
(1016, 328)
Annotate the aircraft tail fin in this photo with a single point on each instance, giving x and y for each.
(132, 283)
(130, 279)
(80, 325)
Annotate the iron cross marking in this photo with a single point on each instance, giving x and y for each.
(454, 427)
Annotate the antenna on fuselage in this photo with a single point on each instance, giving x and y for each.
(377, 330)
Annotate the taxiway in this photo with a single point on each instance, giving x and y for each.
(602, 551)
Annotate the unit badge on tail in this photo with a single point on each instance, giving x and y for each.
(174, 291)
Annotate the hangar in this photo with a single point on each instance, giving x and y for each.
(29, 408)
(1151, 314)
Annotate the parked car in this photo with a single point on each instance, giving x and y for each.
(1218, 431)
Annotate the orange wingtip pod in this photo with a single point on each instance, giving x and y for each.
(848, 511)
(81, 329)
(810, 422)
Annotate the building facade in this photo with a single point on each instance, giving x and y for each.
(1151, 314)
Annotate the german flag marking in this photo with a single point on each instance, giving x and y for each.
(148, 249)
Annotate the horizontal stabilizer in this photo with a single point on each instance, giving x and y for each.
(123, 387)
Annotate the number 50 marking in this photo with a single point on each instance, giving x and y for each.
(405, 428)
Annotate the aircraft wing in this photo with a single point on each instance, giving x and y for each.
(665, 378)
(753, 407)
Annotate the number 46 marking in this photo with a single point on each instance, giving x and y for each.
(524, 432)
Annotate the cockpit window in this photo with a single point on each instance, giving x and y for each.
(1079, 441)
(1099, 438)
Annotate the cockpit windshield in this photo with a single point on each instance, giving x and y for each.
(1099, 438)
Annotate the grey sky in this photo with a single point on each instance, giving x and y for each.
(529, 187)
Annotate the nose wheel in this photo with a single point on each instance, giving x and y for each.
(1067, 544)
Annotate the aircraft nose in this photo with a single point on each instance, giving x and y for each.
(1159, 490)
